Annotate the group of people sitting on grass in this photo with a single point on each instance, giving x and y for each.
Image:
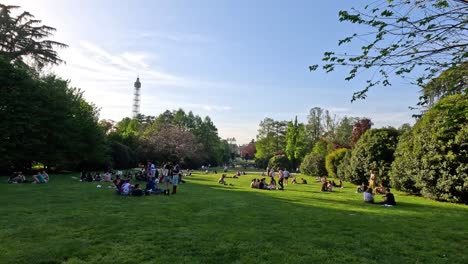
(294, 181)
(18, 177)
(369, 191)
(166, 176)
(327, 186)
(389, 198)
(263, 185)
(107, 176)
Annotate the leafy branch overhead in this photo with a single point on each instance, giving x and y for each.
(23, 39)
(414, 39)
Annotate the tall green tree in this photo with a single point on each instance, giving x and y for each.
(45, 120)
(271, 138)
(314, 126)
(296, 142)
(24, 40)
(344, 131)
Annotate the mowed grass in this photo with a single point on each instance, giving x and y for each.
(71, 222)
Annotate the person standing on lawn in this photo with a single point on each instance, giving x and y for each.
(280, 178)
(286, 175)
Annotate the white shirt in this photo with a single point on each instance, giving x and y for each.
(126, 188)
(368, 197)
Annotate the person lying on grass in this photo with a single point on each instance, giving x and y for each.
(137, 191)
(41, 177)
(389, 199)
(17, 177)
(221, 180)
(368, 197)
(303, 181)
(338, 185)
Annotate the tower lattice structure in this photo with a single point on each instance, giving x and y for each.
(136, 98)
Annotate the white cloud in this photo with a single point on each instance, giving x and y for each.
(107, 79)
(176, 36)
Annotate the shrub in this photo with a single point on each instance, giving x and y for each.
(434, 157)
(313, 165)
(279, 161)
(333, 160)
(344, 167)
(374, 150)
(403, 169)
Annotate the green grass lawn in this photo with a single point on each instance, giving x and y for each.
(66, 221)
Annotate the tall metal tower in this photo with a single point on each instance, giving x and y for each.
(136, 98)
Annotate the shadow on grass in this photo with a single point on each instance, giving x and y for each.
(74, 222)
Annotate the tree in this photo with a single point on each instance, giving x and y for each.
(322, 148)
(450, 82)
(170, 143)
(373, 151)
(343, 167)
(405, 36)
(314, 165)
(329, 126)
(248, 151)
(344, 131)
(315, 124)
(279, 161)
(432, 159)
(23, 39)
(270, 138)
(405, 166)
(333, 160)
(359, 129)
(296, 142)
(43, 119)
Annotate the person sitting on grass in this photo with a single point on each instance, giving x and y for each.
(303, 181)
(137, 191)
(126, 188)
(330, 186)
(83, 176)
(368, 197)
(262, 184)
(294, 181)
(389, 199)
(324, 187)
(362, 188)
(381, 189)
(89, 177)
(97, 177)
(252, 183)
(17, 177)
(39, 178)
(118, 184)
(221, 180)
(272, 185)
(107, 177)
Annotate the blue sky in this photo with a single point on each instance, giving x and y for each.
(236, 61)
